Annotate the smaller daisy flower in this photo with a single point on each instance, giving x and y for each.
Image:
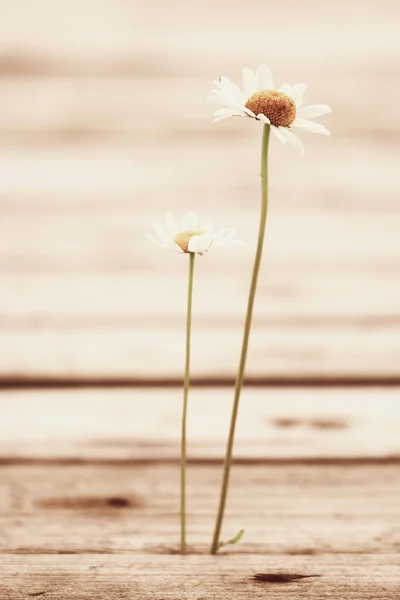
(280, 108)
(188, 235)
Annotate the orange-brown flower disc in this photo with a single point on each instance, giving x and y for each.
(276, 106)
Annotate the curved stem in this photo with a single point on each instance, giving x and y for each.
(246, 334)
(185, 402)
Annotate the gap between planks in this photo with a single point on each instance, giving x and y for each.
(47, 382)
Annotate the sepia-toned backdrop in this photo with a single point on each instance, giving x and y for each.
(104, 125)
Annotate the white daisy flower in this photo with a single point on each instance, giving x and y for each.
(280, 108)
(189, 235)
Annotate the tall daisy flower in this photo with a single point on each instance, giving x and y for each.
(188, 236)
(280, 111)
(282, 108)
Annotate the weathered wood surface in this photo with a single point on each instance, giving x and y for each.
(198, 577)
(92, 472)
(88, 34)
(142, 425)
(84, 291)
(340, 524)
(101, 130)
(285, 509)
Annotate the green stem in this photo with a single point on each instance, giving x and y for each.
(246, 334)
(185, 401)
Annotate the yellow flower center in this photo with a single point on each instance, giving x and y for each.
(276, 106)
(183, 239)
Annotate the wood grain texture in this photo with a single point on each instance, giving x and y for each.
(144, 577)
(85, 315)
(312, 521)
(107, 107)
(141, 425)
(284, 509)
(88, 35)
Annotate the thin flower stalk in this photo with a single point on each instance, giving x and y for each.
(185, 404)
(216, 544)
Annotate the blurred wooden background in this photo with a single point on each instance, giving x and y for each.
(104, 125)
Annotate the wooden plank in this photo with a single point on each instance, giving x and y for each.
(158, 174)
(86, 35)
(147, 576)
(285, 510)
(139, 424)
(95, 306)
(115, 243)
(130, 514)
(134, 353)
(79, 108)
(122, 299)
(84, 147)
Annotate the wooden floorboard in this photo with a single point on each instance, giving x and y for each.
(135, 354)
(284, 509)
(339, 525)
(144, 424)
(145, 577)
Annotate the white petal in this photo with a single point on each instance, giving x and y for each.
(227, 112)
(227, 235)
(264, 78)
(230, 234)
(225, 100)
(227, 117)
(298, 90)
(221, 233)
(233, 112)
(286, 88)
(227, 86)
(200, 243)
(314, 110)
(263, 118)
(154, 241)
(249, 82)
(249, 112)
(190, 221)
(278, 134)
(214, 98)
(293, 139)
(307, 125)
(217, 243)
(171, 225)
(174, 247)
(160, 231)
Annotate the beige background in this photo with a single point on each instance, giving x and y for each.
(104, 126)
